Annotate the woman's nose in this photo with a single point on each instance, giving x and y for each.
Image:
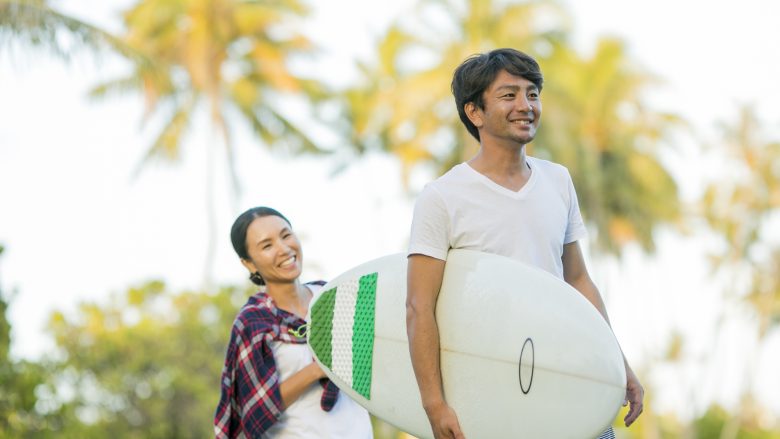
(283, 248)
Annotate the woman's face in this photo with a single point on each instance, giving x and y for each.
(274, 250)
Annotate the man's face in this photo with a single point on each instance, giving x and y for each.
(513, 110)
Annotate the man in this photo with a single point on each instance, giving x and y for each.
(500, 202)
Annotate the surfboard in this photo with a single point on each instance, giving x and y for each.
(523, 354)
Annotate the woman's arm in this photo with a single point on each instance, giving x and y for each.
(293, 387)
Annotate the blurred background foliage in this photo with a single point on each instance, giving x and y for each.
(146, 362)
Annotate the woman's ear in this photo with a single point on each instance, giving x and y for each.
(474, 114)
(249, 265)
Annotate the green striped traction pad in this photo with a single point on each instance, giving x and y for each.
(342, 331)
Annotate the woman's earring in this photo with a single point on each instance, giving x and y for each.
(256, 278)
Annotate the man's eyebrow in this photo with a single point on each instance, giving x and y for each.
(512, 87)
(508, 87)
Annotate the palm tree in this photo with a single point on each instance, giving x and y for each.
(226, 57)
(742, 206)
(594, 123)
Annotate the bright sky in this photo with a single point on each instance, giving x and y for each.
(77, 227)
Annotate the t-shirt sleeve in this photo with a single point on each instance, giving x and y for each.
(430, 226)
(575, 230)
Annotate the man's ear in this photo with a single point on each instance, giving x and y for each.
(474, 114)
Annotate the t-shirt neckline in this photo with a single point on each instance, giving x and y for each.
(484, 179)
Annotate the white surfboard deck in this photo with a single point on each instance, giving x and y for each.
(523, 354)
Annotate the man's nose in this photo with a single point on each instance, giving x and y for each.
(522, 103)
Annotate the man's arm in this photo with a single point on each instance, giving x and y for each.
(424, 278)
(576, 274)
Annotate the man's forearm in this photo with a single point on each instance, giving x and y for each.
(424, 349)
(425, 275)
(588, 289)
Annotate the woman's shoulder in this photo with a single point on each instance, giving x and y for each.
(259, 313)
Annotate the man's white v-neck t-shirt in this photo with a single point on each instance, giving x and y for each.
(464, 209)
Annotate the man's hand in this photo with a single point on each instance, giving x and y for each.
(444, 422)
(635, 393)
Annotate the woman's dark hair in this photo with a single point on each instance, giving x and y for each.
(477, 72)
(241, 224)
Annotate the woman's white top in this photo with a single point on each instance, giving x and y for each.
(304, 419)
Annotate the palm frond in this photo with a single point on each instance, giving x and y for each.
(36, 23)
(167, 145)
(295, 138)
(119, 85)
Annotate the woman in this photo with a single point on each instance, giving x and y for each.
(271, 387)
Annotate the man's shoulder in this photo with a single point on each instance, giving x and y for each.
(455, 173)
(547, 165)
(455, 183)
(458, 175)
(556, 171)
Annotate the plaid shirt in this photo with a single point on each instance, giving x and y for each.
(251, 400)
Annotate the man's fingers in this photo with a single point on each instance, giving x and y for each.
(455, 432)
(633, 413)
(450, 434)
